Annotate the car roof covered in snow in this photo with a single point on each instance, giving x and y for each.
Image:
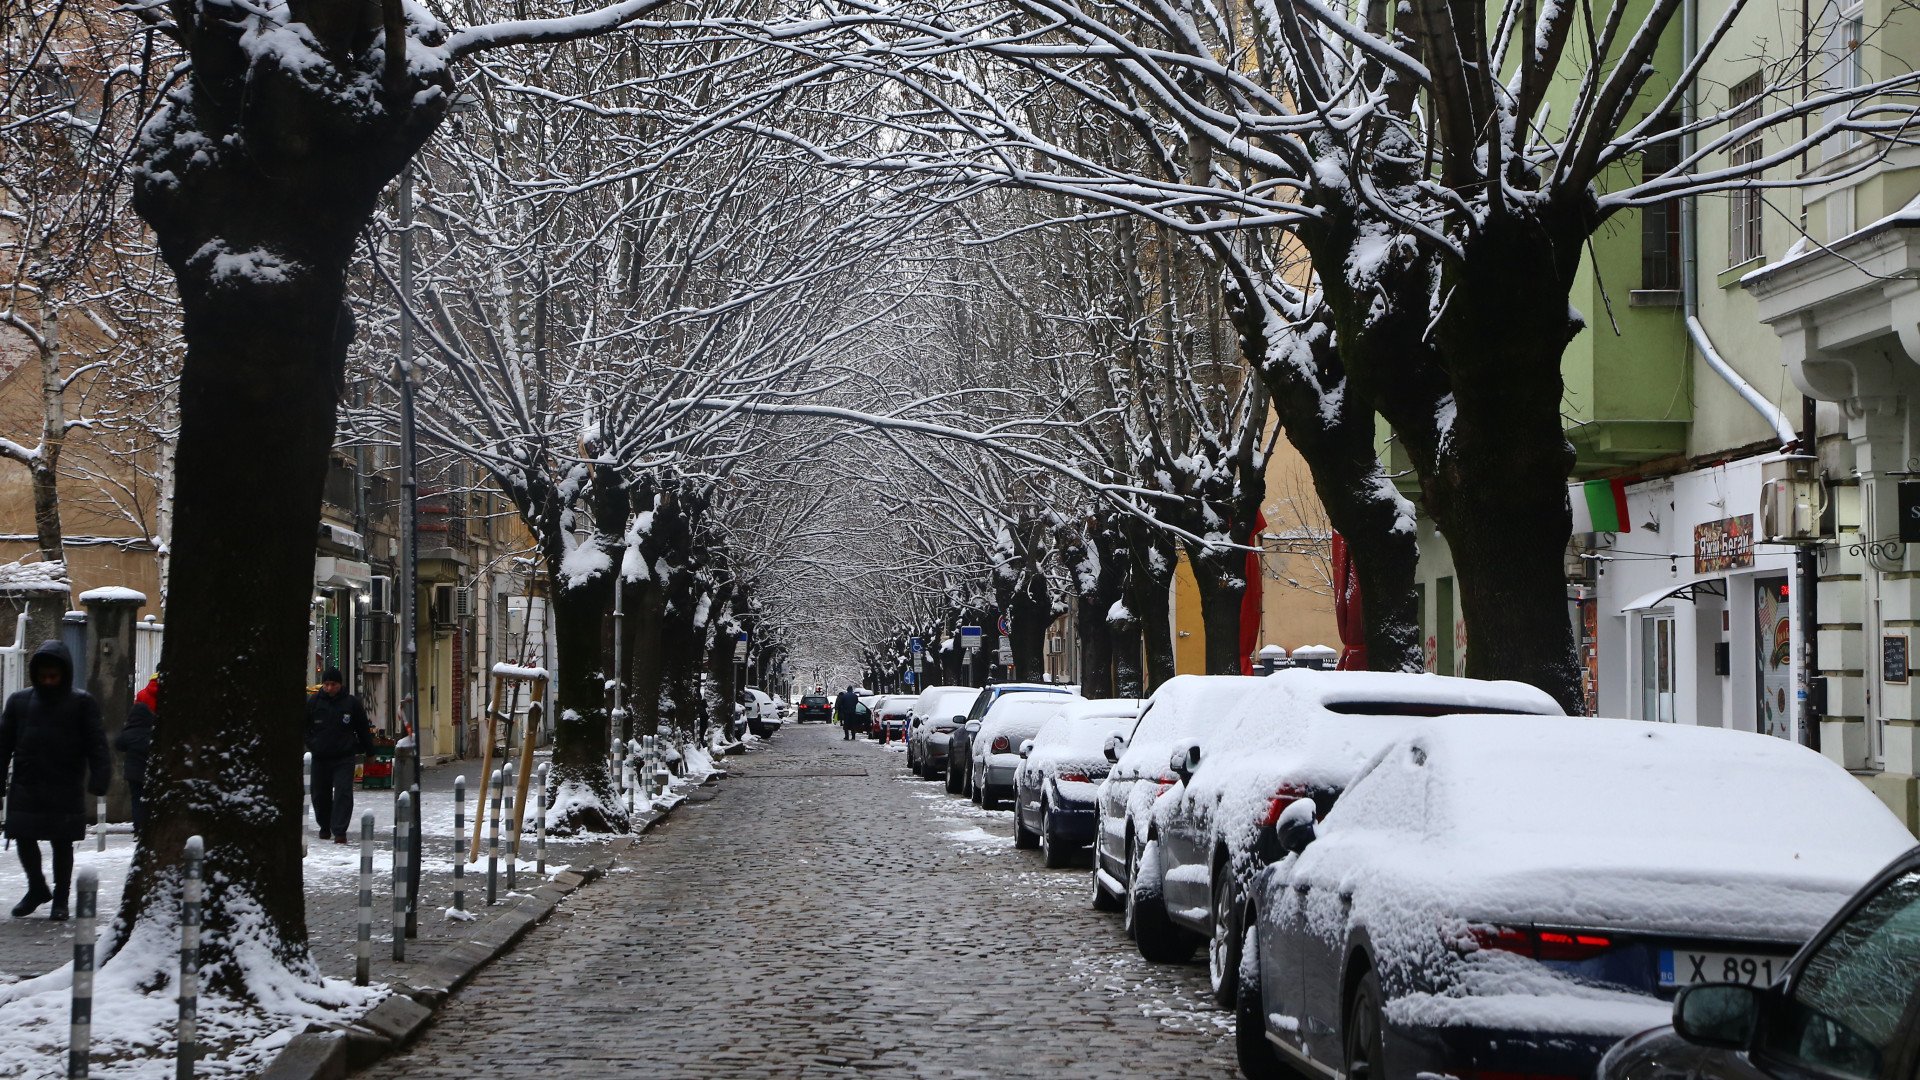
(1077, 734)
(1601, 822)
(1185, 706)
(944, 702)
(1017, 716)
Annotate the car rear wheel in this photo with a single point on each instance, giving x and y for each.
(1023, 837)
(953, 778)
(1365, 1035)
(1223, 948)
(1258, 1060)
(1055, 854)
(1159, 938)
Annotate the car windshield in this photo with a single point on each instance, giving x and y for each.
(1848, 1000)
(811, 699)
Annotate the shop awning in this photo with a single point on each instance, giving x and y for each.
(1683, 589)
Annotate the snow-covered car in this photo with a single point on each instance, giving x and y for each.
(937, 713)
(1855, 989)
(960, 746)
(1184, 707)
(1297, 734)
(1506, 895)
(817, 708)
(1056, 804)
(758, 709)
(890, 712)
(1009, 724)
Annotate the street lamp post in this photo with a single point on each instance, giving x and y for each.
(409, 539)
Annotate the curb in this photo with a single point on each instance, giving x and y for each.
(333, 1051)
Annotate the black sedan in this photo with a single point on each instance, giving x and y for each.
(1848, 1005)
(815, 708)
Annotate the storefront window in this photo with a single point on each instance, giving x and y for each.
(1657, 667)
(1773, 657)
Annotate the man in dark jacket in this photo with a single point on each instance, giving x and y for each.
(53, 742)
(847, 706)
(337, 729)
(134, 741)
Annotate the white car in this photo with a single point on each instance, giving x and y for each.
(936, 714)
(1009, 723)
(1511, 895)
(760, 711)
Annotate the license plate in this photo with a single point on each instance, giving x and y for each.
(1680, 967)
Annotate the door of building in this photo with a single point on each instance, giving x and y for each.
(1657, 656)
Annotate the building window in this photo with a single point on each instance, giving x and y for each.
(1660, 224)
(1845, 70)
(1744, 207)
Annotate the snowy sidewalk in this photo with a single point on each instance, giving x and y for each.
(33, 946)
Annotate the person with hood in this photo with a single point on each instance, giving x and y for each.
(337, 729)
(133, 742)
(847, 706)
(53, 751)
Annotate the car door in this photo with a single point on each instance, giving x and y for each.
(1181, 847)
(1111, 844)
(1281, 924)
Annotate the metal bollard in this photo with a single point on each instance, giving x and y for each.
(80, 1034)
(513, 826)
(540, 824)
(100, 824)
(192, 891)
(459, 848)
(306, 798)
(363, 937)
(402, 824)
(493, 842)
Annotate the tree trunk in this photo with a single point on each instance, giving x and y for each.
(1129, 673)
(1223, 591)
(1149, 579)
(1032, 613)
(646, 622)
(578, 786)
(45, 469)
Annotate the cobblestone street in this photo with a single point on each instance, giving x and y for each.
(822, 913)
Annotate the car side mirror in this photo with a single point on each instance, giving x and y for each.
(959, 721)
(1026, 748)
(1295, 829)
(1183, 762)
(1720, 1015)
(1116, 745)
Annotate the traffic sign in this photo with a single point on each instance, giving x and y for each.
(740, 647)
(970, 638)
(1006, 625)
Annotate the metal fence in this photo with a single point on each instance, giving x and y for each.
(147, 635)
(13, 659)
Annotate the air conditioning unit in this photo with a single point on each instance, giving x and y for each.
(380, 598)
(1793, 502)
(463, 602)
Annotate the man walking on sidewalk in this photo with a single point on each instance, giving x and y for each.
(848, 708)
(52, 750)
(337, 729)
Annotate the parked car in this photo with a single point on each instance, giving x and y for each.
(1848, 1004)
(815, 708)
(1298, 734)
(960, 745)
(890, 712)
(758, 708)
(1498, 895)
(1183, 707)
(1056, 789)
(937, 712)
(1012, 722)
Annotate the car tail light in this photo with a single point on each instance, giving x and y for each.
(944, 729)
(1562, 945)
(1001, 745)
(1078, 778)
(1277, 805)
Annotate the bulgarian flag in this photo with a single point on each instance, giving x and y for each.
(1600, 506)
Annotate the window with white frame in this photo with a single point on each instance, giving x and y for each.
(1744, 206)
(1845, 68)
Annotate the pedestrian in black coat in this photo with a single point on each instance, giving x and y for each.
(851, 712)
(54, 747)
(134, 741)
(337, 729)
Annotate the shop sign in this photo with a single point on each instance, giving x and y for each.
(1893, 658)
(1726, 544)
(1910, 511)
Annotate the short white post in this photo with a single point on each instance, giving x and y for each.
(459, 851)
(80, 1031)
(493, 841)
(363, 938)
(306, 798)
(100, 824)
(540, 824)
(192, 892)
(513, 827)
(402, 825)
